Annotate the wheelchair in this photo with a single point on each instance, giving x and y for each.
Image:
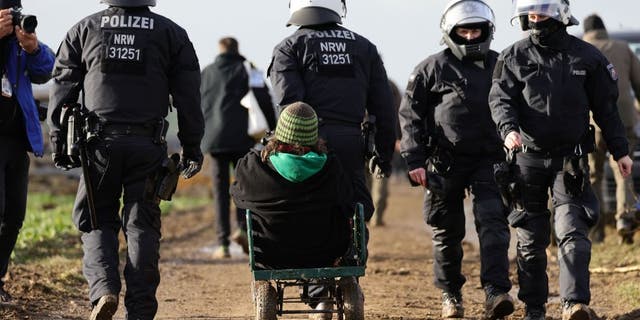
(341, 282)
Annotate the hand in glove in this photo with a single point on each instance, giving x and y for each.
(378, 168)
(190, 161)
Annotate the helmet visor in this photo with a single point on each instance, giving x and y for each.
(466, 12)
(549, 8)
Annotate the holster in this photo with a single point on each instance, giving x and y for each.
(442, 161)
(72, 129)
(436, 183)
(167, 178)
(576, 173)
(507, 177)
(368, 128)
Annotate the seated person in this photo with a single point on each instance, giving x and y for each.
(300, 198)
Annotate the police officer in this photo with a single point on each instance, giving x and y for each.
(543, 89)
(127, 61)
(23, 60)
(445, 119)
(341, 75)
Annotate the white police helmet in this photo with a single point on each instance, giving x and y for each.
(469, 13)
(129, 3)
(313, 12)
(556, 9)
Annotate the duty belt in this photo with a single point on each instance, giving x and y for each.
(122, 129)
(336, 122)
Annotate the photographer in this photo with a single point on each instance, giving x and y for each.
(23, 60)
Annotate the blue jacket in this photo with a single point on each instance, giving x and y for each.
(34, 68)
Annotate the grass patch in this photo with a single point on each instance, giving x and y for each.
(48, 229)
(611, 254)
(182, 203)
(629, 292)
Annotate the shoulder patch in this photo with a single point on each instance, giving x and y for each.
(612, 72)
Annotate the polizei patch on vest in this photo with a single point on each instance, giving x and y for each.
(333, 34)
(579, 72)
(612, 72)
(130, 22)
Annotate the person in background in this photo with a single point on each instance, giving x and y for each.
(224, 83)
(628, 67)
(445, 120)
(23, 60)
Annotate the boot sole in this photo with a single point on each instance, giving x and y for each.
(104, 310)
(580, 315)
(501, 310)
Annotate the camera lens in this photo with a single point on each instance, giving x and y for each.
(28, 23)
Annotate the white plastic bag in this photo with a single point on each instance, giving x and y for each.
(258, 125)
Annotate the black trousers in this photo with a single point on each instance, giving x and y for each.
(574, 215)
(121, 169)
(14, 174)
(220, 176)
(445, 214)
(347, 143)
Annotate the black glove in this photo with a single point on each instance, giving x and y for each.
(60, 157)
(190, 161)
(379, 168)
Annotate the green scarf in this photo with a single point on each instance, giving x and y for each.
(297, 168)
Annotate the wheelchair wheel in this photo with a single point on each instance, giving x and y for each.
(266, 301)
(352, 298)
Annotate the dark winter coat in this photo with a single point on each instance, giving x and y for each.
(295, 225)
(447, 100)
(224, 83)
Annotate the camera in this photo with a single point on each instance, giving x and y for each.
(28, 23)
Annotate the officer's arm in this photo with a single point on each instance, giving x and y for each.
(380, 104)
(416, 119)
(286, 79)
(634, 76)
(68, 75)
(40, 64)
(505, 93)
(602, 91)
(184, 86)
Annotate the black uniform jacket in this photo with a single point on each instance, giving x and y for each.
(546, 94)
(340, 74)
(295, 225)
(224, 83)
(447, 99)
(129, 61)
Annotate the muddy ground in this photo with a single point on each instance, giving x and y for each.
(398, 284)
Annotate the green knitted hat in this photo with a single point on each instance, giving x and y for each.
(298, 124)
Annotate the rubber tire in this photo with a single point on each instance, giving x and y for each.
(352, 298)
(266, 300)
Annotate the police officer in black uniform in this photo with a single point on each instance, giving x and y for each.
(341, 75)
(445, 119)
(543, 90)
(128, 61)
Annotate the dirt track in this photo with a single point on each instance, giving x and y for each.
(398, 284)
